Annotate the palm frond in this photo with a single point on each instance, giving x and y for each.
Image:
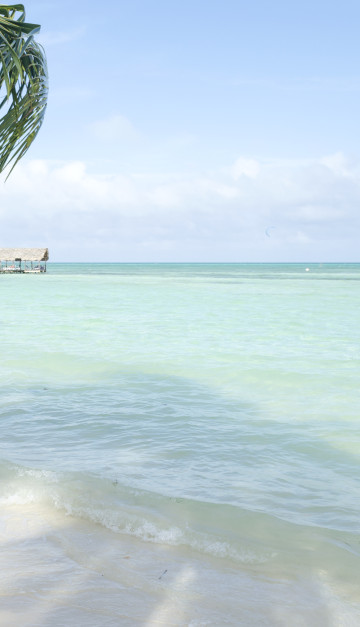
(24, 81)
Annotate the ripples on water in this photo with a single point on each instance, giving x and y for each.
(213, 406)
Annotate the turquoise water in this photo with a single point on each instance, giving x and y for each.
(212, 407)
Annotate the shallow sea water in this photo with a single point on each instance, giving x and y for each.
(180, 445)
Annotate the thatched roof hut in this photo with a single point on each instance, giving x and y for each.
(24, 254)
(23, 260)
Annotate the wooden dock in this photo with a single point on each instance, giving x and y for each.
(4, 270)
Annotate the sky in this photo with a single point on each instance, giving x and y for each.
(193, 131)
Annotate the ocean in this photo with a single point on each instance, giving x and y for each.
(180, 445)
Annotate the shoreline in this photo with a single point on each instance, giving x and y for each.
(60, 570)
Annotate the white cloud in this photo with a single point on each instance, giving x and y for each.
(56, 38)
(245, 167)
(341, 165)
(81, 215)
(114, 128)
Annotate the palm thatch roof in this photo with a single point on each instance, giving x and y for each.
(25, 254)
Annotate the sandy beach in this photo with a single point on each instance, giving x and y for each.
(58, 571)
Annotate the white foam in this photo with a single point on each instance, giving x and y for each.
(72, 572)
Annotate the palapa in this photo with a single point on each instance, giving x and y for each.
(24, 254)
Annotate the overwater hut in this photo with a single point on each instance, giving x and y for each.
(23, 260)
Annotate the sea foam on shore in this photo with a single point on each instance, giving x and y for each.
(58, 570)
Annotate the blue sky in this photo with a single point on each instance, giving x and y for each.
(182, 131)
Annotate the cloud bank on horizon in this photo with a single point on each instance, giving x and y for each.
(248, 211)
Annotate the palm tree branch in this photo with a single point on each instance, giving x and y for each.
(23, 72)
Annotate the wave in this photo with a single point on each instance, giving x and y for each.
(223, 531)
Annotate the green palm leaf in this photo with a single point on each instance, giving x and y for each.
(23, 84)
